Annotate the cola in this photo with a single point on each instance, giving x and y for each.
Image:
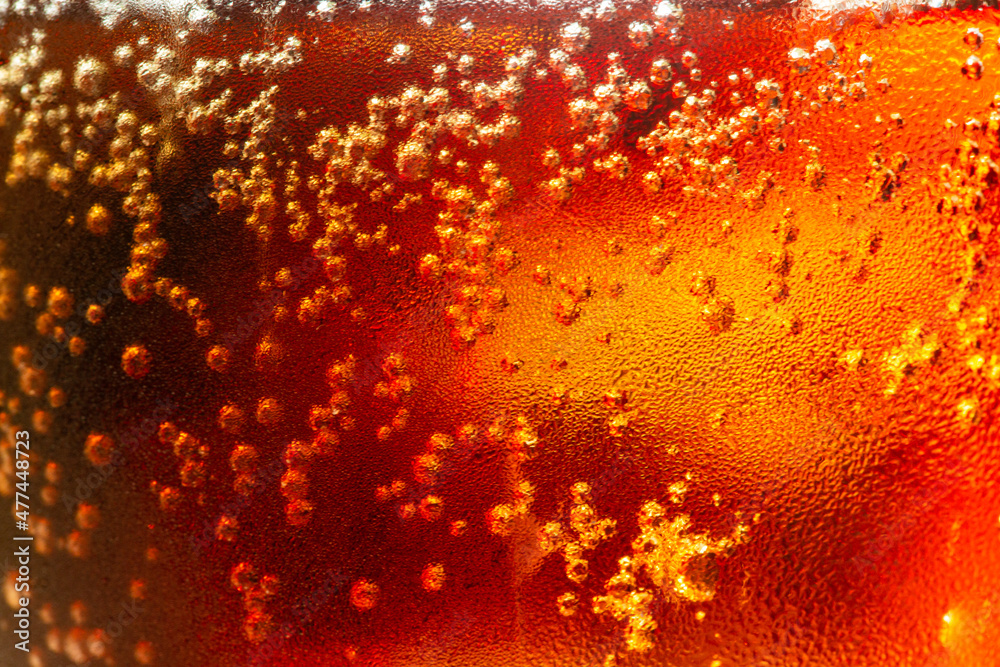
(618, 333)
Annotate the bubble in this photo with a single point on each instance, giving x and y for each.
(75, 646)
(88, 516)
(500, 519)
(568, 604)
(667, 15)
(401, 54)
(99, 448)
(364, 595)
(78, 544)
(60, 302)
(144, 653)
(719, 314)
(431, 508)
(574, 37)
(574, 77)
(637, 96)
(640, 34)
(169, 498)
(432, 577)
(973, 37)
(45, 324)
(98, 220)
(137, 589)
(825, 51)
(426, 467)
(243, 458)
(299, 512)
(973, 68)
(800, 59)
(218, 358)
(243, 576)
(294, 484)
(231, 418)
(268, 411)
(136, 361)
(89, 76)
(53, 472)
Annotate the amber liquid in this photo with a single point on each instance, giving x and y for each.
(524, 336)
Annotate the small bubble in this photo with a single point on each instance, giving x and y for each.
(243, 576)
(78, 544)
(660, 72)
(568, 604)
(800, 59)
(170, 498)
(144, 653)
(364, 595)
(99, 220)
(218, 358)
(98, 449)
(231, 418)
(33, 296)
(136, 361)
(825, 51)
(88, 517)
(973, 68)
(95, 314)
(243, 458)
(432, 578)
(137, 589)
(401, 54)
(667, 15)
(574, 37)
(640, 34)
(268, 411)
(431, 508)
(89, 76)
(973, 37)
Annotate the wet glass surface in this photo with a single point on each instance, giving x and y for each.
(499, 334)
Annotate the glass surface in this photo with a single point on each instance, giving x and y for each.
(570, 334)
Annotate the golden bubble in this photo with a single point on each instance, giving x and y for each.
(268, 411)
(364, 595)
(41, 420)
(95, 314)
(231, 418)
(45, 324)
(78, 544)
(136, 361)
(88, 516)
(98, 449)
(432, 577)
(218, 358)
(77, 346)
(33, 296)
(99, 220)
